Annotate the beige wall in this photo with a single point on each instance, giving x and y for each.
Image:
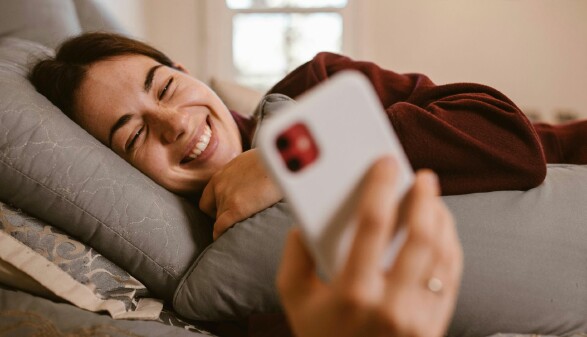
(177, 27)
(535, 51)
(174, 26)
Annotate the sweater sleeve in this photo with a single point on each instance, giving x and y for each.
(471, 135)
(564, 143)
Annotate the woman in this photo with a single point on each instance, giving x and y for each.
(173, 128)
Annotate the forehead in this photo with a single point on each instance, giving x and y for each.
(110, 89)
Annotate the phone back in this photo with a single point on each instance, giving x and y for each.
(318, 152)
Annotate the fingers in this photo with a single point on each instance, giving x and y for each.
(208, 200)
(446, 266)
(296, 277)
(419, 214)
(425, 183)
(376, 215)
(229, 217)
(450, 256)
(428, 253)
(224, 221)
(432, 250)
(448, 262)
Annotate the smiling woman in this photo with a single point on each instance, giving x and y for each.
(177, 131)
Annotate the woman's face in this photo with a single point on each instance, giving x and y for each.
(163, 121)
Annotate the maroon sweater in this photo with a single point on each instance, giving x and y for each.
(471, 135)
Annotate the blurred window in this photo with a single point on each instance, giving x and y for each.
(272, 37)
(248, 4)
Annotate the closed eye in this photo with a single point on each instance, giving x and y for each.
(133, 141)
(165, 89)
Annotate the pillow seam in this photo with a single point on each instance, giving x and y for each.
(188, 273)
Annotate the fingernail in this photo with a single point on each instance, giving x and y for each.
(431, 178)
(388, 160)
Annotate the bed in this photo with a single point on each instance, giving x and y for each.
(89, 245)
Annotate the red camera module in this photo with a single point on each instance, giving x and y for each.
(297, 147)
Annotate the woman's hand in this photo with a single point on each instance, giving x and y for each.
(416, 297)
(241, 189)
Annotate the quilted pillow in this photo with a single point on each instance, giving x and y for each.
(71, 270)
(55, 171)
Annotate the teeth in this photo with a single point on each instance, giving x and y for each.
(202, 143)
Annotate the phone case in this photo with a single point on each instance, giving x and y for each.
(318, 151)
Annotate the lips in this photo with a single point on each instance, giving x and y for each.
(199, 145)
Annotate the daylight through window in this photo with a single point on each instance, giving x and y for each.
(272, 37)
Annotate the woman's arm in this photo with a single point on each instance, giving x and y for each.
(471, 135)
(564, 143)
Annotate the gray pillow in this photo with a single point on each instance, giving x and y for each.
(44, 21)
(524, 272)
(234, 276)
(55, 171)
(525, 258)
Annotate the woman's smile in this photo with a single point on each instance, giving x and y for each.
(202, 145)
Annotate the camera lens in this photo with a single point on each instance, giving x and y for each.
(294, 164)
(282, 143)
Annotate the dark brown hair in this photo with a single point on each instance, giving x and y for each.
(59, 77)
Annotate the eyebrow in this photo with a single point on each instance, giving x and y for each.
(119, 123)
(149, 78)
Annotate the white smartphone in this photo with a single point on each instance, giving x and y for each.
(318, 151)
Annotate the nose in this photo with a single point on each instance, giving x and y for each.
(170, 123)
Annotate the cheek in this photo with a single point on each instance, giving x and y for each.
(230, 130)
(231, 142)
(152, 163)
